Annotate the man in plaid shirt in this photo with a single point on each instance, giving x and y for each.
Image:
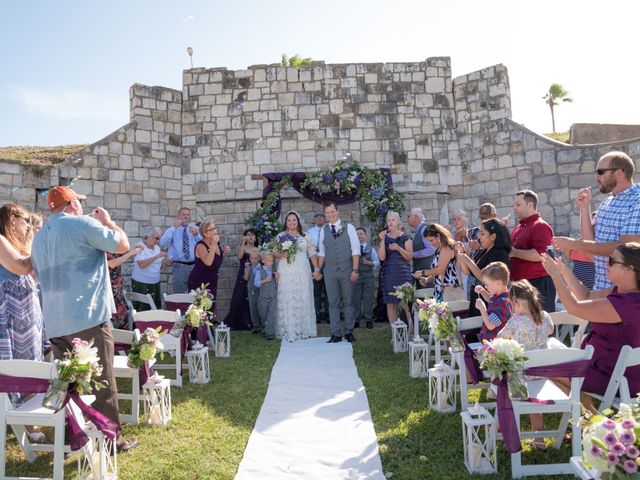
(616, 222)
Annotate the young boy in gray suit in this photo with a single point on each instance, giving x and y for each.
(265, 282)
(249, 277)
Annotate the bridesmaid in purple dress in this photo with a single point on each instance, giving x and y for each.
(239, 316)
(613, 314)
(209, 255)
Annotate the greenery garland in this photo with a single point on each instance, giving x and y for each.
(345, 178)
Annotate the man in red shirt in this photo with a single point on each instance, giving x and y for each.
(530, 238)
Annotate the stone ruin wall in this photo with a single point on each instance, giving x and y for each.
(451, 144)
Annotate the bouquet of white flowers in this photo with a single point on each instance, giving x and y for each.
(405, 293)
(505, 355)
(283, 243)
(79, 366)
(612, 445)
(145, 349)
(200, 310)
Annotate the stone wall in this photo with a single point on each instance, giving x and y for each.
(450, 143)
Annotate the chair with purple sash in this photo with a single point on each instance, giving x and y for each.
(544, 397)
(617, 391)
(182, 301)
(175, 346)
(123, 339)
(32, 377)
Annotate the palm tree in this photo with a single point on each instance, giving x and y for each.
(555, 94)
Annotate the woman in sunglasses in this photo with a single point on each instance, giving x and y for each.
(613, 314)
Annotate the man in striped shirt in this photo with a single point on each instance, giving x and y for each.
(617, 220)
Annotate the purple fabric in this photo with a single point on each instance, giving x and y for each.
(239, 316)
(506, 417)
(121, 346)
(298, 178)
(10, 384)
(470, 360)
(202, 335)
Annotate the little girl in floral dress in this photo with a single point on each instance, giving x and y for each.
(531, 326)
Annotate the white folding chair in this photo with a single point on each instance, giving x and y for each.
(32, 412)
(459, 306)
(181, 301)
(566, 404)
(419, 294)
(129, 297)
(567, 325)
(171, 344)
(618, 389)
(484, 384)
(122, 370)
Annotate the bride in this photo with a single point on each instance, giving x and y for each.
(296, 312)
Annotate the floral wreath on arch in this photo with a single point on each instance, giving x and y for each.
(345, 182)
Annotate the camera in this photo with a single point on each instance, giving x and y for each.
(551, 252)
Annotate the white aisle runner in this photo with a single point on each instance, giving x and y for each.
(315, 421)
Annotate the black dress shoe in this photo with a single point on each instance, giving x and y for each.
(369, 325)
(334, 339)
(350, 338)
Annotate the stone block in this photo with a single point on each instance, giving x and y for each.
(434, 85)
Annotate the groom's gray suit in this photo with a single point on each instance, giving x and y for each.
(338, 264)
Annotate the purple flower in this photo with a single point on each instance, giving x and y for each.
(609, 424)
(629, 466)
(342, 176)
(632, 451)
(628, 438)
(610, 439)
(628, 423)
(596, 450)
(327, 179)
(618, 448)
(612, 458)
(265, 217)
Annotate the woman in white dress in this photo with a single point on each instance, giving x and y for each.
(296, 312)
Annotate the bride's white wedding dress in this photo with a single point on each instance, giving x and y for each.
(296, 311)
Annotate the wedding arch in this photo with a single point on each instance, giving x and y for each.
(344, 183)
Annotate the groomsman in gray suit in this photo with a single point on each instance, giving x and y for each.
(339, 255)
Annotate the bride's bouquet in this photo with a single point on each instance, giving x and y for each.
(285, 243)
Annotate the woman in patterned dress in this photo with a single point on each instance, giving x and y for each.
(444, 267)
(21, 324)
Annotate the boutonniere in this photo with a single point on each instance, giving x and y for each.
(340, 230)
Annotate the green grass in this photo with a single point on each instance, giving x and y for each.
(210, 427)
(559, 136)
(211, 423)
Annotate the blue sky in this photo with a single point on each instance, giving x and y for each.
(66, 67)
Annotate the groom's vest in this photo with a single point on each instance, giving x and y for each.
(337, 251)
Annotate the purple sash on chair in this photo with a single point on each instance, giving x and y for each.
(506, 417)
(10, 384)
(470, 360)
(202, 334)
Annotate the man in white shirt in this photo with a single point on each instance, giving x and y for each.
(339, 254)
(364, 290)
(319, 292)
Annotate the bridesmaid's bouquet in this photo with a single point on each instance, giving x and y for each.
(285, 243)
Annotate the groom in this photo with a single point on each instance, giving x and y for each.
(338, 252)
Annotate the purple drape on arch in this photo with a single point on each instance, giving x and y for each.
(297, 179)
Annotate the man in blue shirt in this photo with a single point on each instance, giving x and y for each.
(181, 240)
(68, 255)
(423, 250)
(319, 293)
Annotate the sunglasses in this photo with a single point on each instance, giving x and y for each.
(26, 219)
(613, 261)
(601, 171)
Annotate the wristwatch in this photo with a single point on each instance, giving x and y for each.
(354, 271)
